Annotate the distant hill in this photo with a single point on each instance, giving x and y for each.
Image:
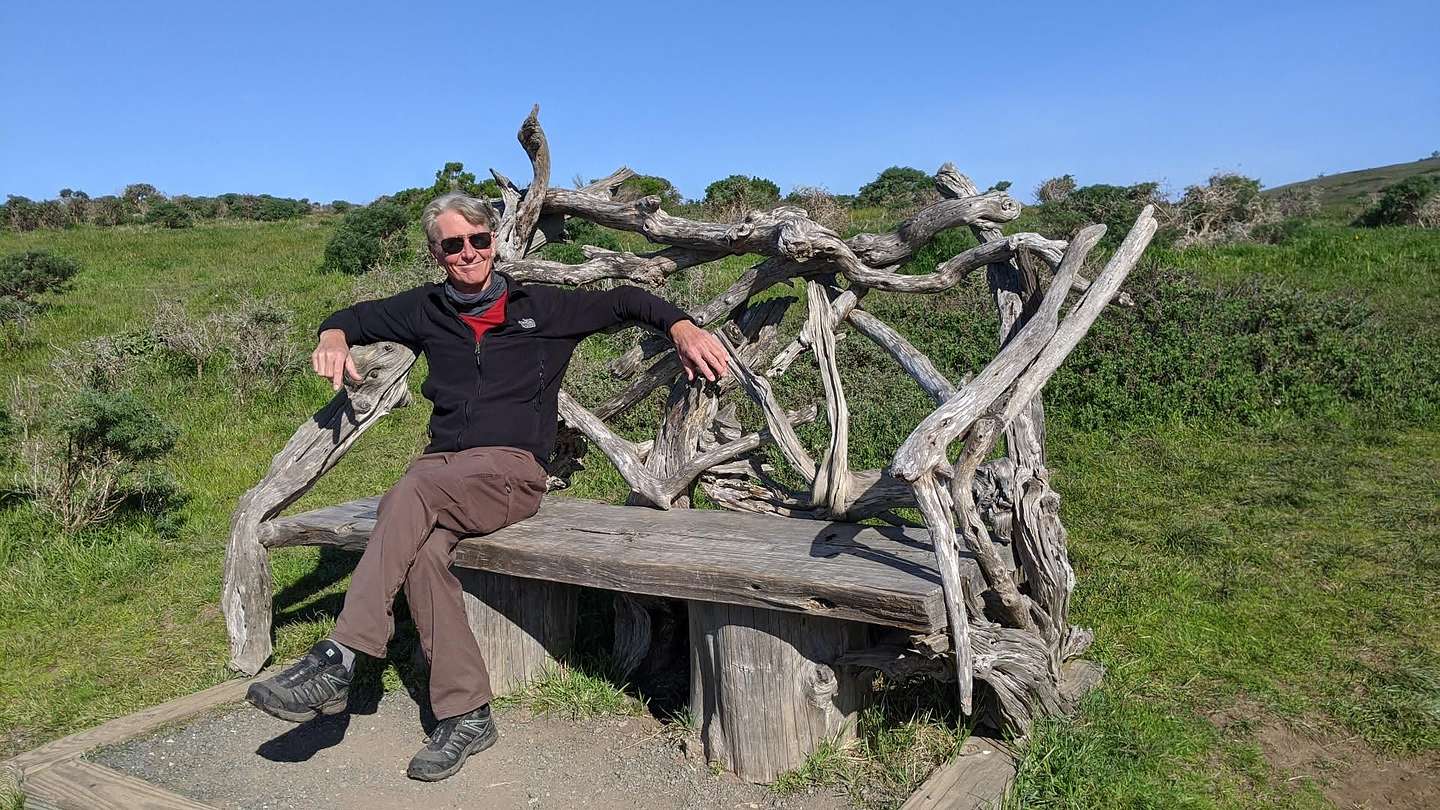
(1347, 193)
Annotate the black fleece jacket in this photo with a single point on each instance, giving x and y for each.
(505, 389)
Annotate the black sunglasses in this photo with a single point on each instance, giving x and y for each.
(455, 244)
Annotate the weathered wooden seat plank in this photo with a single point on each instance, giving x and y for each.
(878, 575)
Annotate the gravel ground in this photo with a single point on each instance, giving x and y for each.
(239, 757)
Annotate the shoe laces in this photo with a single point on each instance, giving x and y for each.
(446, 730)
(303, 669)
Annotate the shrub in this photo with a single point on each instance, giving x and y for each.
(358, 242)
(139, 197)
(27, 275)
(450, 177)
(25, 278)
(273, 209)
(262, 207)
(647, 185)
(1187, 350)
(1114, 206)
(898, 187)
(1191, 350)
(198, 207)
(261, 353)
(108, 211)
(1225, 209)
(107, 363)
(168, 214)
(21, 213)
(736, 195)
(580, 232)
(822, 207)
(1404, 203)
(99, 455)
(186, 337)
(1055, 189)
(76, 205)
(401, 271)
(1297, 202)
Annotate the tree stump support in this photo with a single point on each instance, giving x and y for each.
(522, 625)
(763, 688)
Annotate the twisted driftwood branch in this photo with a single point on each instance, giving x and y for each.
(936, 508)
(832, 476)
(517, 225)
(247, 593)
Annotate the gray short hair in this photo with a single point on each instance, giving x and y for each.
(475, 210)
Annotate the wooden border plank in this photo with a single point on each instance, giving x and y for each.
(978, 778)
(84, 785)
(133, 725)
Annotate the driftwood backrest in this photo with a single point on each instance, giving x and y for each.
(1016, 639)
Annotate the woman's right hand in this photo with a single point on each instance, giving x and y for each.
(331, 358)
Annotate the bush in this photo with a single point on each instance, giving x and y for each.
(109, 211)
(736, 195)
(168, 214)
(198, 207)
(21, 213)
(358, 243)
(185, 337)
(107, 363)
(450, 177)
(1405, 203)
(646, 185)
(1194, 351)
(1226, 209)
(898, 187)
(100, 455)
(25, 278)
(1114, 206)
(261, 353)
(822, 206)
(27, 275)
(1298, 202)
(139, 197)
(1055, 189)
(579, 232)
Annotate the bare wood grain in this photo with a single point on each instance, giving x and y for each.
(314, 449)
(79, 785)
(880, 575)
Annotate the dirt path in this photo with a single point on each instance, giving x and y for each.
(1349, 772)
(241, 758)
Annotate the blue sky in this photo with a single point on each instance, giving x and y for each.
(353, 100)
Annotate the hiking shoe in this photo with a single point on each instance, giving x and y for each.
(455, 738)
(318, 684)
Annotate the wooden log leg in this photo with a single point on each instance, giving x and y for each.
(762, 689)
(521, 624)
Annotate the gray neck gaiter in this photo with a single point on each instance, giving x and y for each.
(476, 303)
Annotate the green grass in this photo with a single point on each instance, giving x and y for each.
(1285, 564)
(1291, 568)
(578, 690)
(1394, 270)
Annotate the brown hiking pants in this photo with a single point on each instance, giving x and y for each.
(441, 498)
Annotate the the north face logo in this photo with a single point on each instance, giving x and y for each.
(526, 323)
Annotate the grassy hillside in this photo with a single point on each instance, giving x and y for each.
(1345, 194)
(1248, 459)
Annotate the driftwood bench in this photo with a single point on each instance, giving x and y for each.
(775, 606)
(782, 612)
